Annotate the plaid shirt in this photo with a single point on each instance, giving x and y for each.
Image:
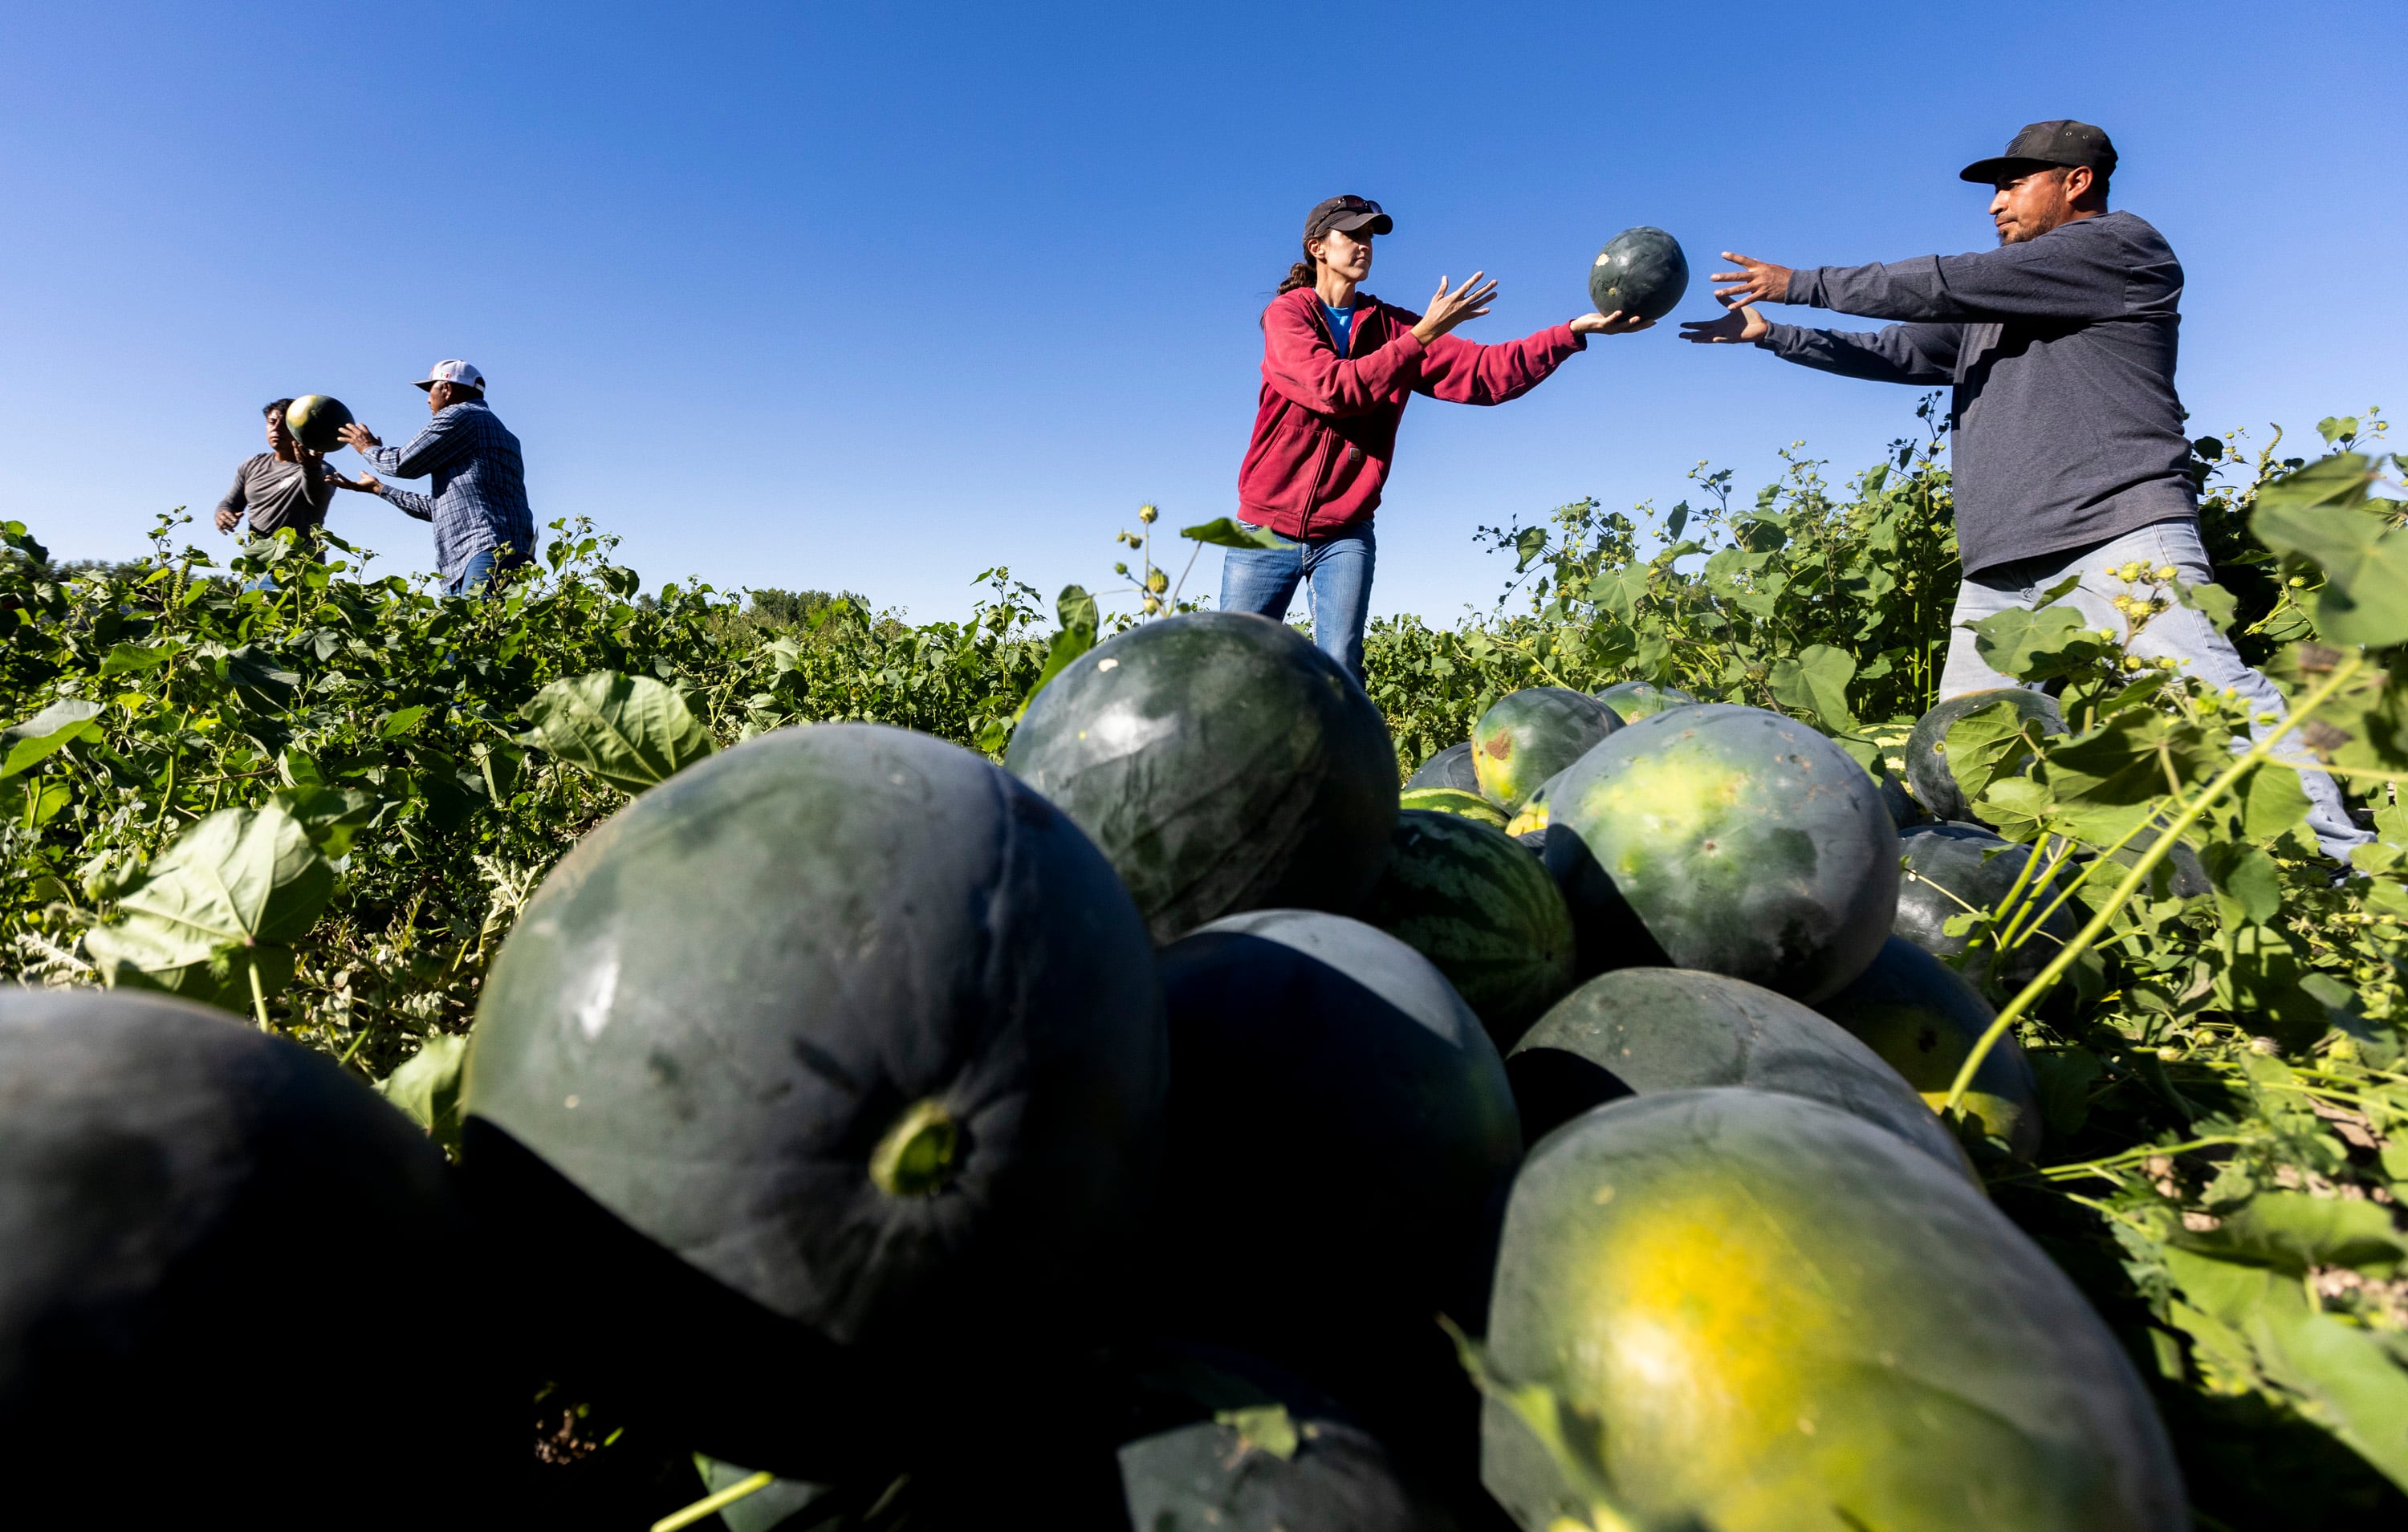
(479, 500)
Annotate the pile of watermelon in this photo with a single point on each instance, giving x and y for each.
(1181, 1126)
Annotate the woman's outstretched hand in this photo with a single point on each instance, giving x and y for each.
(1449, 309)
(1741, 324)
(1615, 323)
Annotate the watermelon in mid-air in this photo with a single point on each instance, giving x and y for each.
(1639, 271)
(317, 421)
(1729, 839)
(818, 1078)
(1482, 908)
(1529, 735)
(1773, 1316)
(1222, 763)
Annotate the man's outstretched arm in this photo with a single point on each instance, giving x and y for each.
(1901, 353)
(2085, 277)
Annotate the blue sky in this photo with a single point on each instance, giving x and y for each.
(874, 297)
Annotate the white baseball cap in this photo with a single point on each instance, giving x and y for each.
(453, 372)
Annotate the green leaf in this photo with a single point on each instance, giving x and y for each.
(2213, 601)
(2313, 514)
(1989, 744)
(631, 731)
(400, 721)
(2249, 878)
(1817, 683)
(128, 659)
(1572, 1437)
(2037, 644)
(2272, 801)
(47, 732)
(1266, 1427)
(1077, 609)
(427, 1088)
(330, 815)
(1223, 532)
(2292, 1231)
(217, 910)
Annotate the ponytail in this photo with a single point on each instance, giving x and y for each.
(1303, 274)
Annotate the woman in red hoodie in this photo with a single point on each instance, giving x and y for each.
(1337, 366)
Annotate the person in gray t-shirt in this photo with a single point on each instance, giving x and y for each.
(2070, 458)
(283, 486)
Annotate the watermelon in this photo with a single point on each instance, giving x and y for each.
(181, 1198)
(1527, 736)
(1481, 909)
(1921, 1016)
(1926, 748)
(315, 422)
(813, 1079)
(1639, 271)
(1636, 1031)
(1452, 800)
(1532, 819)
(1776, 1317)
(1951, 868)
(1222, 763)
(1339, 1118)
(1450, 768)
(1633, 700)
(1729, 839)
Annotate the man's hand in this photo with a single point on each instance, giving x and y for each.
(1615, 323)
(1449, 309)
(1757, 281)
(359, 438)
(226, 520)
(364, 483)
(1741, 323)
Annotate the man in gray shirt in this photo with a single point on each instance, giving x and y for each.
(2070, 458)
(283, 486)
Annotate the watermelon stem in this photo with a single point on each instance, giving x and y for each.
(919, 1154)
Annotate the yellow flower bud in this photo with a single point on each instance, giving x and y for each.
(2299, 583)
(2165, 571)
(2170, 1054)
(1147, 514)
(1151, 606)
(2264, 1047)
(1157, 582)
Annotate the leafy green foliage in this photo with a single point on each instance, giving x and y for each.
(631, 731)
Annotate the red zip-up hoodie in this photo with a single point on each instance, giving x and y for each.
(1326, 428)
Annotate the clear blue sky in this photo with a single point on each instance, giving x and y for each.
(873, 297)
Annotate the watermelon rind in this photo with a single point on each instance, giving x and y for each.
(1450, 768)
(1729, 839)
(1636, 1031)
(1642, 271)
(1780, 1318)
(1954, 868)
(1222, 763)
(1927, 747)
(1482, 910)
(1636, 699)
(1452, 800)
(315, 422)
(1923, 1018)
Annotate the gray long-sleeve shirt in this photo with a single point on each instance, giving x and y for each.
(2060, 355)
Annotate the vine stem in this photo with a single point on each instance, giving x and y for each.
(258, 996)
(711, 1503)
(2167, 839)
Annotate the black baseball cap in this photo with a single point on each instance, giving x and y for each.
(1348, 215)
(2062, 142)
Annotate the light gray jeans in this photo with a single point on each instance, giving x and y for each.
(2179, 632)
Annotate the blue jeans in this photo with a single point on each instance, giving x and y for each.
(2178, 632)
(479, 573)
(1336, 573)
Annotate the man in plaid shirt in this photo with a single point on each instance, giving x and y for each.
(482, 526)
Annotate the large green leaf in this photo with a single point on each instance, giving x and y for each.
(1223, 532)
(1989, 744)
(2293, 1231)
(1816, 683)
(427, 1087)
(1079, 618)
(47, 732)
(216, 914)
(631, 731)
(2037, 644)
(2316, 513)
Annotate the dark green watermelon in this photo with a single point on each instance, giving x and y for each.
(315, 422)
(1450, 768)
(1635, 1031)
(1926, 748)
(1639, 271)
(814, 1079)
(1222, 763)
(1780, 1318)
(1729, 839)
(1633, 700)
(196, 1218)
(1340, 1130)
(1952, 868)
(1452, 800)
(1923, 1018)
(1529, 735)
(1482, 909)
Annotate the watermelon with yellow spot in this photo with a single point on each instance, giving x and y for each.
(1529, 735)
(315, 422)
(1772, 1316)
(1452, 800)
(1532, 819)
(1923, 1018)
(1728, 839)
